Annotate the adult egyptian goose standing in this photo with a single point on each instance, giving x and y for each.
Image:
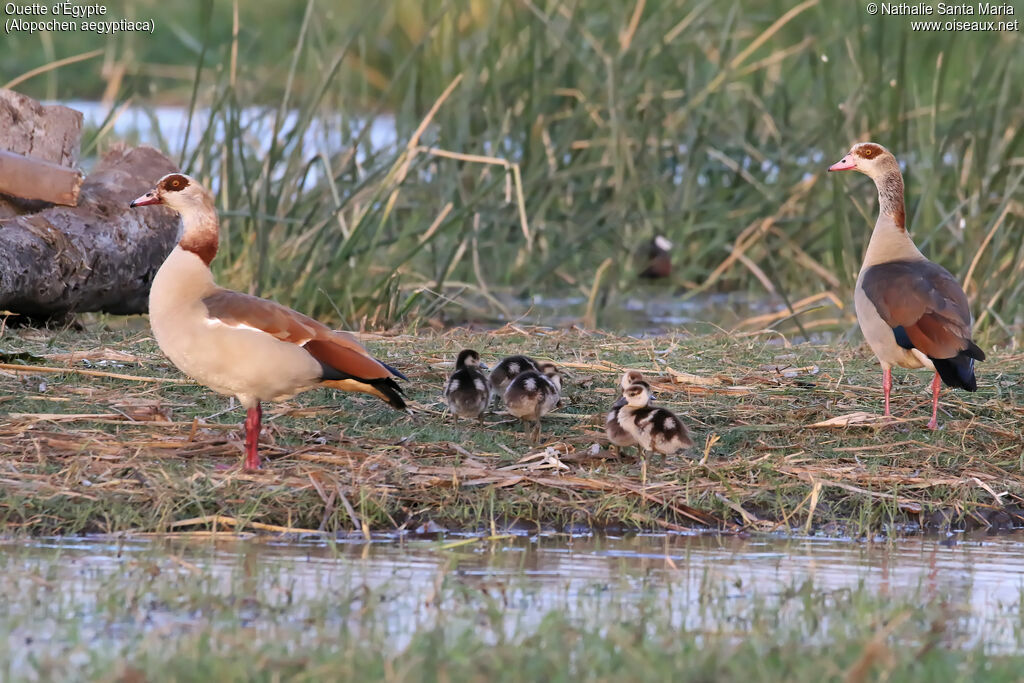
(913, 313)
(241, 345)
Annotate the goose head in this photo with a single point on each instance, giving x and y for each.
(180, 192)
(551, 372)
(200, 233)
(869, 158)
(468, 358)
(629, 378)
(638, 394)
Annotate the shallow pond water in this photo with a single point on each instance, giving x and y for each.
(117, 590)
(648, 310)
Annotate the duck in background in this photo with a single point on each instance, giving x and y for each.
(532, 394)
(656, 430)
(658, 258)
(617, 435)
(240, 345)
(468, 391)
(913, 313)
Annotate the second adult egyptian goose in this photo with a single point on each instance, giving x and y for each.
(913, 313)
(241, 345)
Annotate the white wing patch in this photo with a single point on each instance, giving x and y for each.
(217, 322)
(479, 384)
(283, 335)
(662, 243)
(530, 384)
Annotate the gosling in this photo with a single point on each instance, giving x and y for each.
(467, 391)
(505, 371)
(617, 435)
(655, 429)
(533, 394)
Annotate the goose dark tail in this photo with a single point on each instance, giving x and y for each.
(958, 371)
(391, 392)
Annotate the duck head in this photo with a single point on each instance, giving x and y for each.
(178, 191)
(467, 358)
(869, 158)
(638, 394)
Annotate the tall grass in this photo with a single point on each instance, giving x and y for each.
(581, 129)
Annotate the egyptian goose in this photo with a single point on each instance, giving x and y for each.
(656, 430)
(507, 369)
(617, 435)
(533, 394)
(241, 345)
(659, 258)
(467, 391)
(912, 312)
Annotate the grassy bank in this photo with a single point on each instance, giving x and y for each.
(202, 611)
(151, 452)
(542, 142)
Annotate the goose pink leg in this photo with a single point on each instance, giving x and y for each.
(936, 387)
(887, 387)
(253, 418)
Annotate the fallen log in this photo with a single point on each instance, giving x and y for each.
(39, 147)
(36, 179)
(97, 256)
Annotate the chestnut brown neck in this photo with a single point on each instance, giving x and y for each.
(890, 196)
(200, 235)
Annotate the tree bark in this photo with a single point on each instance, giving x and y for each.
(97, 256)
(39, 147)
(48, 132)
(36, 179)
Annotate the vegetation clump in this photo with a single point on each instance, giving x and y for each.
(111, 438)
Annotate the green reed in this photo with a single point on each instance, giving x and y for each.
(588, 127)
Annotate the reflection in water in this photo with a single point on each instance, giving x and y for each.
(705, 583)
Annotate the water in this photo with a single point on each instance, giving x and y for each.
(650, 310)
(653, 310)
(706, 583)
(165, 127)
